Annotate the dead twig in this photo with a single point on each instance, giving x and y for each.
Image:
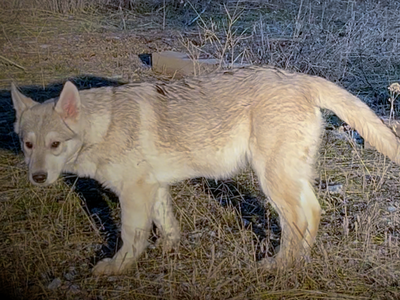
(7, 61)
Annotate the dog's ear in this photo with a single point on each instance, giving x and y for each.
(21, 103)
(69, 103)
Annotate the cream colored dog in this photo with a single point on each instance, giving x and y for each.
(137, 139)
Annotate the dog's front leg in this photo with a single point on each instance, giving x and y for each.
(163, 217)
(136, 206)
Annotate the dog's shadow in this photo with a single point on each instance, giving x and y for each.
(96, 198)
(252, 214)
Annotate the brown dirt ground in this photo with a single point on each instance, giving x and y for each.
(53, 47)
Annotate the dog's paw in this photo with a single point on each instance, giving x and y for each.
(282, 263)
(169, 243)
(107, 266)
(269, 263)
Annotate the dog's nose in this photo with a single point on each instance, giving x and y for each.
(39, 177)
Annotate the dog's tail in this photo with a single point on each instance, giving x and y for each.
(358, 115)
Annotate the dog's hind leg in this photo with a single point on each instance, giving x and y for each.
(163, 217)
(285, 179)
(312, 212)
(137, 200)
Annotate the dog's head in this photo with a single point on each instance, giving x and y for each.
(49, 132)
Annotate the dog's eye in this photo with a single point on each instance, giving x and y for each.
(28, 145)
(54, 145)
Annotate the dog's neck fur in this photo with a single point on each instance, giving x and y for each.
(94, 123)
(95, 127)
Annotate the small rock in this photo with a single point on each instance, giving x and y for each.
(113, 278)
(56, 283)
(335, 189)
(68, 276)
(152, 246)
(392, 209)
(71, 274)
(74, 289)
(195, 235)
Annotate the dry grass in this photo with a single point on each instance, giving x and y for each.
(50, 237)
